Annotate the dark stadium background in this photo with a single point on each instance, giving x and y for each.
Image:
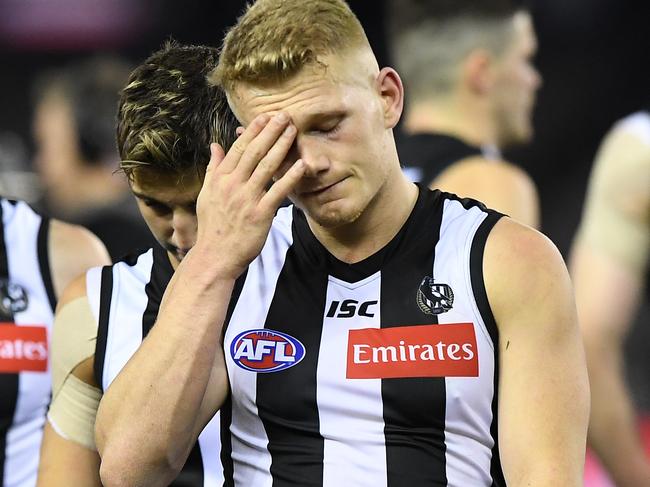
(594, 56)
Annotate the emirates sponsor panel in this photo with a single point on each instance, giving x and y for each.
(447, 350)
(23, 348)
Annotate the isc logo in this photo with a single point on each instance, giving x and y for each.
(351, 307)
(266, 350)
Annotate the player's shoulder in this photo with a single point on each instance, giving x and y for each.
(72, 249)
(519, 261)
(485, 171)
(627, 142)
(636, 124)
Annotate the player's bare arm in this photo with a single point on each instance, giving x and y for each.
(155, 409)
(611, 251)
(500, 185)
(543, 385)
(72, 250)
(68, 455)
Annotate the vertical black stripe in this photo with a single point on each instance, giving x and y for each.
(8, 382)
(226, 409)
(105, 296)
(414, 408)
(480, 295)
(293, 427)
(44, 260)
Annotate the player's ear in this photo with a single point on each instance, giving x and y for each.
(477, 70)
(390, 89)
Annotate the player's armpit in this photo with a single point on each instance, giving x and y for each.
(498, 184)
(543, 385)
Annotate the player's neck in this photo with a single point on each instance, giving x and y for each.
(375, 227)
(467, 121)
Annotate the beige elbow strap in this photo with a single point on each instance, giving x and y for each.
(74, 402)
(72, 414)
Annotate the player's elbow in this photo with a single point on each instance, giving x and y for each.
(122, 468)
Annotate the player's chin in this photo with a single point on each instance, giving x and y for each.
(333, 216)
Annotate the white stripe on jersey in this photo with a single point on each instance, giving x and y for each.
(125, 332)
(251, 459)
(468, 415)
(340, 399)
(21, 227)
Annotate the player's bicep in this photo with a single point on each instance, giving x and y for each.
(543, 386)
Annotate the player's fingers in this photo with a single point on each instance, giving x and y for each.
(240, 146)
(258, 148)
(216, 156)
(281, 189)
(273, 160)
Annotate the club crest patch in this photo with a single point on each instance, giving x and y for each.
(434, 298)
(13, 298)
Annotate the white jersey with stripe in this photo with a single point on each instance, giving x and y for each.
(380, 373)
(26, 314)
(124, 299)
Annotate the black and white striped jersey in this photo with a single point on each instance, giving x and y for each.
(379, 373)
(27, 304)
(125, 299)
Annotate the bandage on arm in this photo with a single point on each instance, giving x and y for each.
(74, 401)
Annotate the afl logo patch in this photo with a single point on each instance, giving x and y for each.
(266, 350)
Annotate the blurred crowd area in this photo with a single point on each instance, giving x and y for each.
(593, 57)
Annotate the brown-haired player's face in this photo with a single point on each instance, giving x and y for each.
(516, 85)
(168, 205)
(341, 135)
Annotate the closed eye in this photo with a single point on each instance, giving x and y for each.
(156, 206)
(328, 129)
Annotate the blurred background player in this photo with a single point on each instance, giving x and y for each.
(76, 157)
(609, 264)
(38, 258)
(470, 89)
(167, 117)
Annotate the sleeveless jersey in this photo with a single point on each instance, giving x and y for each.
(27, 304)
(124, 299)
(379, 373)
(426, 155)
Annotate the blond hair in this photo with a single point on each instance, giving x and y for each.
(274, 39)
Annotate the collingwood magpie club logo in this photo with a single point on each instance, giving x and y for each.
(434, 298)
(13, 297)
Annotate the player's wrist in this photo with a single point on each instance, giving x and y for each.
(211, 264)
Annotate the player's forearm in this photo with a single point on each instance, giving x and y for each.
(149, 417)
(612, 426)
